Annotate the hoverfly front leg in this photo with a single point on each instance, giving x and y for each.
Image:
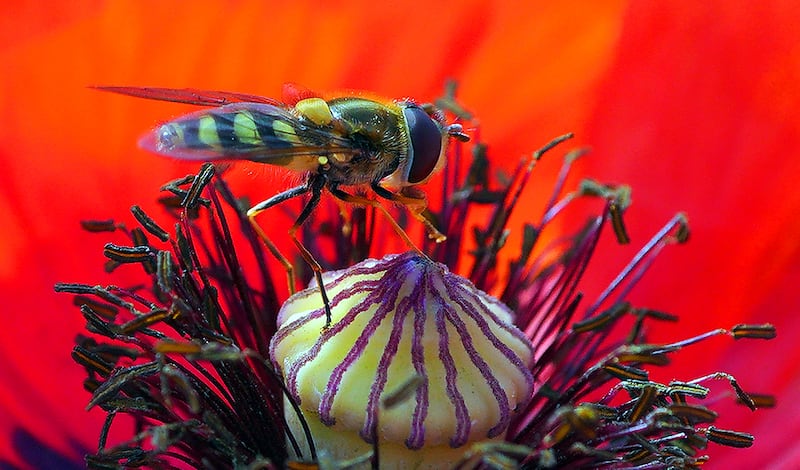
(416, 205)
(314, 185)
(364, 201)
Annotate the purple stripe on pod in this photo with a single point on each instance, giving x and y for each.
(500, 346)
(416, 436)
(460, 410)
(385, 304)
(382, 374)
(399, 318)
(484, 369)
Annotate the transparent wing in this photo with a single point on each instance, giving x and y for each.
(190, 95)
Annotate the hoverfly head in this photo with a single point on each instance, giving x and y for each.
(426, 143)
(428, 135)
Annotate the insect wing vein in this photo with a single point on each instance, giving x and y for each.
(189, 95)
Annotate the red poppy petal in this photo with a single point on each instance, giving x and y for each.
(688, 85)
(698, 113)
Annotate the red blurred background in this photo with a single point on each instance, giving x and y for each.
(694, 104)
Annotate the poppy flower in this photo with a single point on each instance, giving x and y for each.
(692, 105)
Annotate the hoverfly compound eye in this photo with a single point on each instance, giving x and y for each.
(426, 143)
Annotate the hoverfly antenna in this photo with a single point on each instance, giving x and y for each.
(456, 131)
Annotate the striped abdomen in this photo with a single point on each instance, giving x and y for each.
(249, 131)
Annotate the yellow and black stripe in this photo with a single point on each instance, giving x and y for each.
(232, 132)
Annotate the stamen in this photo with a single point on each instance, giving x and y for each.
(107, 225)
(754, 331)
(149, 224)
(729, 438)
(192, 197)
(127, 254)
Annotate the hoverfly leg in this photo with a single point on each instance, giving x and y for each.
(261, 207)
(347, 220)
(315, 185)
(416, 205)
(361, 200)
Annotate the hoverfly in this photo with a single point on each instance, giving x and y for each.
(345, 141)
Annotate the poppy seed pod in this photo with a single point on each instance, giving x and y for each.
(402, 323)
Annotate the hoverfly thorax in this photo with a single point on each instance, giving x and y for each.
(377, 134)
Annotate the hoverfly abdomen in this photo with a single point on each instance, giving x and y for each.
(248, 131)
